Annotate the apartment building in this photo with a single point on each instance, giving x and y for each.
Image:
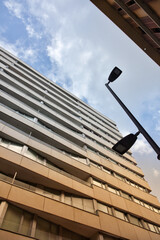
(59, 177)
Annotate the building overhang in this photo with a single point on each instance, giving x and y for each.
(140, 20)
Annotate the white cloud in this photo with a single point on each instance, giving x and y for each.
(156, 173)
(32, 32)
(19, 50)
(9, 47)
(55, 50)
(15, 8)
(141, 147)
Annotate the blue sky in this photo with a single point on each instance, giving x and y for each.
(75, 45)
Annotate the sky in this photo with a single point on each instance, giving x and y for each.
(74, 44)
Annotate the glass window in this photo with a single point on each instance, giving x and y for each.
(156, 210)
(125, 195)
(110, 210)
(136, 200)
(113, 190)
(26, 224)
(29, 117)
(4, 143)
(133, 184)
(40, 159)
(152, 227)
(6, 178)
(31, 154)
(82, 160)
(88, 205)
(67, 199)
(135, 221)
(102, 207)
(107, 237)
(147, 205)
(127, 181)
(141, 188)
(94, 164)
(53, 232)
(95, 182)
(121, 215)
(12, 218)
(111, 160)
(142, 203)
(77, 202)
(15, 147)
(106, 170)
(56, 194)
(48, 193)
(21, 184)
(119, 177)
(43, 229)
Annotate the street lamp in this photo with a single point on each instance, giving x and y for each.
(126, 143)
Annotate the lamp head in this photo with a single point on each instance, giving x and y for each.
(125, 143)
(116, 72)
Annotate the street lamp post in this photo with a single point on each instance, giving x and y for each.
(124, 144)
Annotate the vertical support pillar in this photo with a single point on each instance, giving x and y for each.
(62, 197)
(95, 205)
(3, 209)
(33, 227)
(97, 236)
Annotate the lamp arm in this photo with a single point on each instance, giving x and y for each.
(138, 125)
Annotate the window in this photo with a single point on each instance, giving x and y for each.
(43, 229)
(94, 164)
(156, 210)
(121, 215)
(119, 177)
(31, 154)
(106, 170)
(153, 228)
(15, 147)
(21, 184)
(88, 205)
(11, 145)
(133, 184)
(125, 195)
(12, 219)
(68, 235)
(82, 160)
(56, 194)
(113, 190)
(135, 221)
(147, 205)
(102, 207)
(26, 223)
(137, 200)
(95, 182)
(17, 220)
(4, 143)
(5, 178)
(47, 192)
(67, 199)
(77, 202)
(34, 156)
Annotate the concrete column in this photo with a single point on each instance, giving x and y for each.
(33, 227)
(97, 236)
(62, 197)
(95, 205)
(3, 209)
